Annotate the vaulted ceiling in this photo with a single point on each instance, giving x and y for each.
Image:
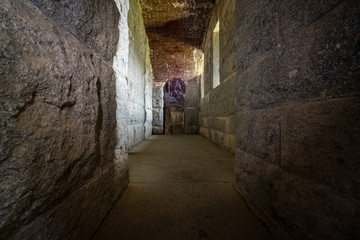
(176, 29)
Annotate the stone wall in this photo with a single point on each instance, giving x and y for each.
(139, 79)
(158, 108)
(298, 114)
(192, 99)
(217, 105)
(59, 116)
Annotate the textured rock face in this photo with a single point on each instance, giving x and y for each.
(217, 105)
(192, 99)
(158, 108)
(58, 172)
(139, 78)
(298, 114)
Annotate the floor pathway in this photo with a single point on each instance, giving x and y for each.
(180, 188)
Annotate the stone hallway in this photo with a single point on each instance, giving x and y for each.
(180, 188)
(91, 89)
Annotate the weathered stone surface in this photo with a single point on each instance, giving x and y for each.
(56, 97)
(192, 95)
(158, 103)
(223, 108)
(139, 78)
(158, 130)
(258, 133)
(57, 225)
(158, 108)
(192, 100)
(218, 104)
(321, 63)
(93, 22)
(297, 114)
(191, 117)
(256, 31)
(319, 142)
(158, 117)
(297, 15)
(226, 90)
(304, 207)
(136, 134)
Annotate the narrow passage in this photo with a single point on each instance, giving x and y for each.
(180, 188)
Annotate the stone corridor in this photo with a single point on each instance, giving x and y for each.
(181, 188)
(179, 119)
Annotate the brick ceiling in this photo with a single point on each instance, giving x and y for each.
(176, 30)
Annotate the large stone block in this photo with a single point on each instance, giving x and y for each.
(229, 142)
(258, 133)
(136, 89)
(93, 22)
(231, 124)
(158, 91)
(136, 134)
(321, 63)
(148, 129)
(156, 130)
(227, 65)
(136, 113)
(256, 31)
(158, 103)
(158, 117)
(79, 222)
(224, 91)
(321, 140)
(56, 99)
(305, 208)
(192, 96)
(297, 15)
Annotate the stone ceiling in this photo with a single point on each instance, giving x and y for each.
(176, 30)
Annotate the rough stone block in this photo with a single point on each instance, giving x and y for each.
(231, 124)
(157, 130)
(225, 90)
(217, 123)
(297, 15)
(256, 31)
(158, 103)
(321, 63)
(136, 113)
(158, 91)
(229, 142)
(148, 129)
(227, 65)
(320, 141)
(284, 197)
(158, 117)
(136, 133)
(191, 117)
(56, 99)
(258, 133)
(79, 223)
(192, 95)
(95, 23)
